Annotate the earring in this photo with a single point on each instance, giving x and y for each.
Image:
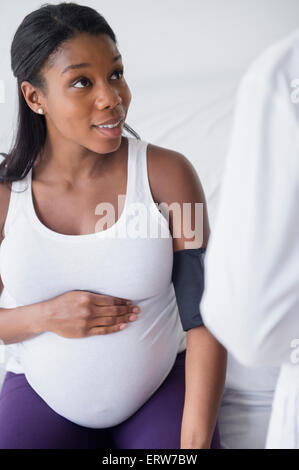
(40, 111)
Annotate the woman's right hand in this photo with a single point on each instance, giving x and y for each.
(77, 314)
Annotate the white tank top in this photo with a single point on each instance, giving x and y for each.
(97, 381)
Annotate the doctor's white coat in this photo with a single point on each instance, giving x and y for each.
(251, 297)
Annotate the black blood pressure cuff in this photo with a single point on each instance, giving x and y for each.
(188, 282)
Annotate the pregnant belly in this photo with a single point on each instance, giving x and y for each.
(100, 381)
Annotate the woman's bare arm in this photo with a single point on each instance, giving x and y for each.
(21, 323)
(205, 356)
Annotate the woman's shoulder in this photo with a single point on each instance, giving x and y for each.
(169, 171)
(174, 179)
(163, 154)
(164, 159)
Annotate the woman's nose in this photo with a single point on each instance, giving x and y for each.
(108, 97)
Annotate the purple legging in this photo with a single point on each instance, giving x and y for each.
(27, 422)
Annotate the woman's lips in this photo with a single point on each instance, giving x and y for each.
(114, 132)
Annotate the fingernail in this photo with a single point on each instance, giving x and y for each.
(135, 309)
(132, 317)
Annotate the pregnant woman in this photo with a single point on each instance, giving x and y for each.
(76, 378)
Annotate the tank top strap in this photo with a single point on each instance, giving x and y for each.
(138, 172)
(16, 201)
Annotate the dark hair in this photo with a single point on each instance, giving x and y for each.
(35, 42)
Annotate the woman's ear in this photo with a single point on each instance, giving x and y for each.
(31, 96)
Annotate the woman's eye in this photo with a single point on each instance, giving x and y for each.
(119, 72)
(81, 80)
